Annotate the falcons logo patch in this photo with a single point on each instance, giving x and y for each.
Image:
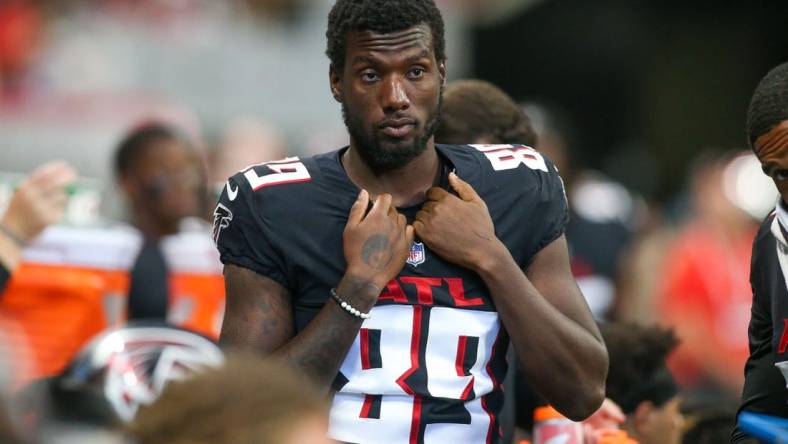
(222, 216)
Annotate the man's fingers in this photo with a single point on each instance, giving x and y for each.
(437, 194)
(47, 169)
(410, 235)
(418, 227)
(59, 198)
(359, 208)
(401, 220)
(613, 411)
(52, 175)
(59, 183)
(429, 206)
(463, 189)
(382, 204)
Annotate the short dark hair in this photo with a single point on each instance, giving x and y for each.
(137, 141)
(475, 108)
(769, 104)
(383, 17)
(637, 355)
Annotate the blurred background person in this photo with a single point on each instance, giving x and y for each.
(248, 400)
(158, 171)
(161, 179)
(603, 212)
(640, 382)
(703, 291)
(39, 201)
(478, 112)
(245, 141)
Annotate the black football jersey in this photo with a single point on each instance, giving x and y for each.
(766, 370)
(427, 366)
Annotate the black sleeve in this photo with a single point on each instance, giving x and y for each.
(764, 386)
(243, 234)
(552, 211)
(5, 275)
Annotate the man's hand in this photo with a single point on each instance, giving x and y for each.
(459, 229)
(39, 201)
(605, 420)
(376, 246)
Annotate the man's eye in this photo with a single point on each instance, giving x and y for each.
(369, 76)
(781, 175)
(416, 73)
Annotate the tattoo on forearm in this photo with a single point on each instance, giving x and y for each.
(376, 251)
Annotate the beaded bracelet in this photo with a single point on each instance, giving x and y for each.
(13, 236)
(347, 307)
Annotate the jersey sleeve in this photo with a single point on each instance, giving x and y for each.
(552, 210)
(242, 234)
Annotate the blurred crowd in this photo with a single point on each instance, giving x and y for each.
(107, 263)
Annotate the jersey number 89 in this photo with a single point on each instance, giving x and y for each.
(451, 350)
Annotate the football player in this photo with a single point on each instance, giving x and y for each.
(766, 371)
(158, 173)
(395, 270)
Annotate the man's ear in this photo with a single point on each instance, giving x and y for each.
(442, 71)
(336, 83)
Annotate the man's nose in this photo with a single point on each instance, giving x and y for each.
(393, 95)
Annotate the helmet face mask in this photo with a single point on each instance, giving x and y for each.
(129, 367)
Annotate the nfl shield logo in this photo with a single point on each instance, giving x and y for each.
(417, 255)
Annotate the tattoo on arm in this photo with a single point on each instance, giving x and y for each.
(258, 315)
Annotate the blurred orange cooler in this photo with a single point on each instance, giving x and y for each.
(73, 283)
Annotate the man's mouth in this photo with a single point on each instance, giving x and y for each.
(397, 128)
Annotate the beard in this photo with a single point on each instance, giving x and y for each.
(382, 156)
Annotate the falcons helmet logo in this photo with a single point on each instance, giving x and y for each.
(132, 365)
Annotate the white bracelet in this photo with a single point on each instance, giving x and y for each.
(347, 307)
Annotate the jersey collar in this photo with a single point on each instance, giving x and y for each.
(780, 224)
